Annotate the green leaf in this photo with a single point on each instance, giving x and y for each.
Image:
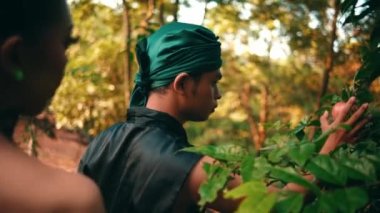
(298, 131)
(364, 95)
(262, 168)
(251, 188)
(217, 177)
(276, 155)
(359, 169)
(225, 152)
(289, 177)
(300, 134)
(257, 204)
(291, 202)
(247, 168)
(208, 150)
(327, 169)
(256, 197)
(320, 140)
(312, 208)
(346, 94)
(350, 200)
(315, 123)
(375, 160)
(302, 152)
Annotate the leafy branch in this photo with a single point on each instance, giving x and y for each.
(350, 173)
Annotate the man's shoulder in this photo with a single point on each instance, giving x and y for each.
(30, 185)
(114, 129)
(125, 139)
(115, 132)
(128, 131)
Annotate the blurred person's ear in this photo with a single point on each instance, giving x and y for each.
(9, 57)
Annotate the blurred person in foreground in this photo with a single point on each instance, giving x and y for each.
(137, 163)
(33, 38)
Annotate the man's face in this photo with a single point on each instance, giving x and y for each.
(44, 65)
(203, 97)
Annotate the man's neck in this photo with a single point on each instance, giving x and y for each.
(164, 103)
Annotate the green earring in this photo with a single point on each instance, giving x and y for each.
(18, 74)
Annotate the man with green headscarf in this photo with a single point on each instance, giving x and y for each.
(137, 163)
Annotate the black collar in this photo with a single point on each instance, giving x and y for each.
(145, 116)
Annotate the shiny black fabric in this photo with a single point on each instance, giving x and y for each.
(138, 165)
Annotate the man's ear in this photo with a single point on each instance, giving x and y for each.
(181, 82)
(9, 54)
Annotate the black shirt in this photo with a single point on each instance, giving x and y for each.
(137, 164)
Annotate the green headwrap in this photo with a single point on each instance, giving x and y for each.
(174, 48)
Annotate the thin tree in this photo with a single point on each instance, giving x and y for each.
(128, 53)
(329, 63)
(176, 9)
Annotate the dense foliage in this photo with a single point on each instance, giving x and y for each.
(275, 54)
(347, 180)
(273, 51)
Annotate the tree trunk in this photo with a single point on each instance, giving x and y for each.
(144, 23)
(253, 127)
(330, 58)
(329, 63)
(263, 114)
(176, 9)
(128, 53)
(161, 8)
(205, 11)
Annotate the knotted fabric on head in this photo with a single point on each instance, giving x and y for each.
(174, 48)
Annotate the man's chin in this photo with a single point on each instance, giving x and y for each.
(200, 119)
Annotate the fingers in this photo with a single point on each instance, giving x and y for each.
(339, 113)
(354, 117)
(331, 143)
(343, 109)
(324, 121)
(350, 136)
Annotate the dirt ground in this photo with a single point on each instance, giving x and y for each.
(63, 152)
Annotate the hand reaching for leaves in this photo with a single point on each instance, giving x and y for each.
(339, 113)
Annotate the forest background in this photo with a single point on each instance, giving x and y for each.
(284, 63)
(281, 58)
